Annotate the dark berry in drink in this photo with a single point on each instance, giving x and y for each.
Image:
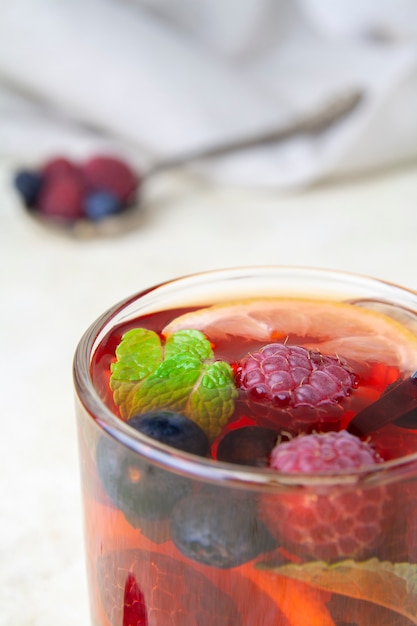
(173, 429)
(219, 530)
(250, 445)
(138, 488)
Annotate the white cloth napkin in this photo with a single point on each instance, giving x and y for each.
(161, 77)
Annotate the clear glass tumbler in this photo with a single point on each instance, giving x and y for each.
(214, 532)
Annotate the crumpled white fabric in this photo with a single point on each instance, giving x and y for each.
(157, 78)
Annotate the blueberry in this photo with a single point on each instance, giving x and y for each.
(139, 489)
(173, 429)
(220, 530)
(250, 445)
(28, 184)
(101, 204)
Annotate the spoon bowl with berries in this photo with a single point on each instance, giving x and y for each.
(97, 196)
(102, 195)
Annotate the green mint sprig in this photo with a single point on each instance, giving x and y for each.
(178, 374)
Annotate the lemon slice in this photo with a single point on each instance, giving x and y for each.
(347, 330)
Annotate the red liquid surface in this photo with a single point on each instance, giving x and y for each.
(139, 577)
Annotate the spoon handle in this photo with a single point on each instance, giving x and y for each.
(315, 122)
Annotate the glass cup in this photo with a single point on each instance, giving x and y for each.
(176, 538)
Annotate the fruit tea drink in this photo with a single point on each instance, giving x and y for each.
(248, 445)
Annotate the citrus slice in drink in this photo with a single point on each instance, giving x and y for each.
(334, 328)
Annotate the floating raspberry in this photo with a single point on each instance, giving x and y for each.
(293, 387)
(321, 452)
(140, 588)
(61, 197)
(295, 376)
(105, 173)
(327, 523)
(134, 606)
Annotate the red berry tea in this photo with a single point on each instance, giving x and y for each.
(268, 478)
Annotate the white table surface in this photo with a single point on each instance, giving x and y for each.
(53, 287)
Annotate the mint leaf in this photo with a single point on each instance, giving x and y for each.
(180, 375)
(192, 342)
(138, 354)
(391, 585)
(169, 386)
(212, 401)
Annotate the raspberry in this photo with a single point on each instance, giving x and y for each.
(327, 523)
(62, 197)
(323, 452)
(105, 173)
(140, 588)
(134, 606)
(60, 166)
(295, 376)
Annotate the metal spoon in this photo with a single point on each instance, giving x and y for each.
(313, 123)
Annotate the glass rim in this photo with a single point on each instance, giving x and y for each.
(211, 470)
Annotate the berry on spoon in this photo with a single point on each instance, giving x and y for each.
(81, 198)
